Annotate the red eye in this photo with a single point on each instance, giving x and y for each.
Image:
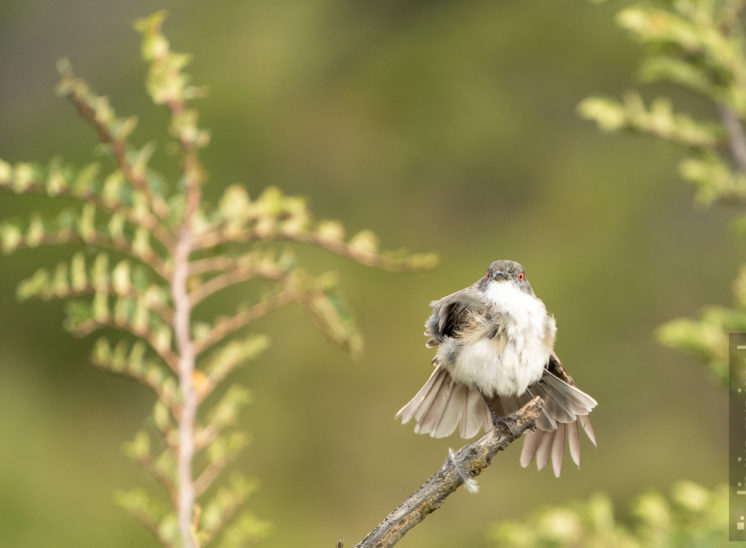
(520, 276)
(487, 275)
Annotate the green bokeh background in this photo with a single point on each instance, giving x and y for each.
(443, 126)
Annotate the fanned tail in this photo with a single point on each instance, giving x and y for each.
(443, 404)
(565, 407)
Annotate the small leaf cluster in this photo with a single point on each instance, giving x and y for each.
(692, 516)
(126, 225)
(697, 46)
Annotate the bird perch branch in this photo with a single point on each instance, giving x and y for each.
(467, 462)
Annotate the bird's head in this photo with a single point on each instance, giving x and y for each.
(505, 271)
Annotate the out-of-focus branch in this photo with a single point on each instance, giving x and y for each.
(246, 316)
(146, 334)
(158, 230)
(151, 259)
(215, 238)
(118, 146)
(232, 277)
(468, 462)
(163, 480)
(736, 139)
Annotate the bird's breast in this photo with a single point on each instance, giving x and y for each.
(514, 357)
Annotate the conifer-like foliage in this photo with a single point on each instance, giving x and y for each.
(698, 46)
(149, 251)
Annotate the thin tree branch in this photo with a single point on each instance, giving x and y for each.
(339, 247)
(233, 277)
(212, 264)
(467, 463)
(205, 436)
(245, 317)
(736, 138)
(117, 208)
(156, 387)
(186, 360)
(164, 312)
(152, 526)
(89, 326)
(118, 146)
(150, 466)
(208, 475)
(62, 237)
(193, 177)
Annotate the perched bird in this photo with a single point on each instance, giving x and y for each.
(495, 352)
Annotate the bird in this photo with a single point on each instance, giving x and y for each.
(495, 352)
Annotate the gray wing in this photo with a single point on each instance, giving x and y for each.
(451, 313)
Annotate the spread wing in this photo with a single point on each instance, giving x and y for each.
(452, 314)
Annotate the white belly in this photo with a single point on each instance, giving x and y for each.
(513, 360)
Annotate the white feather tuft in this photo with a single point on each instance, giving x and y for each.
(470, 483)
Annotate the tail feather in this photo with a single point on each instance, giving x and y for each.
(568, 396)
(544, 450)
(558, 448)
(474, 414)
(433, 384)
(442, 405)
(531, 443)
(452, 411)
(432, 416)
(565, 407)
(573, 440)
(408, 411)
(585, 422)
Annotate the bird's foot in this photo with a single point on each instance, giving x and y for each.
(499, 421)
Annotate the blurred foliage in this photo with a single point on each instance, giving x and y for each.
(131, 224)
(694, 516)
(698, 46)
(442, 125)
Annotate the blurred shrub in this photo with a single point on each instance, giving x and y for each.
(148, 253)
(693, 516)
(697, 46)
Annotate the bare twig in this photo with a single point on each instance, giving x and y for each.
(736, 138)
(469, 461)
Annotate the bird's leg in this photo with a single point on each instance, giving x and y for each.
(498, 420)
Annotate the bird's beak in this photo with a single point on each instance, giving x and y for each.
(500, 275)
